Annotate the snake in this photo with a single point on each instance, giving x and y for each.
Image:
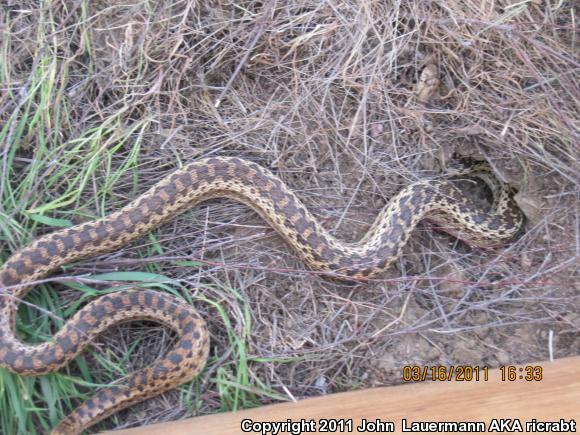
(439, 201)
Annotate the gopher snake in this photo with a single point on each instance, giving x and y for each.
(438, 201)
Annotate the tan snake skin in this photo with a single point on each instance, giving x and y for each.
(437, 201)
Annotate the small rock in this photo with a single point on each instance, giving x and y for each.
(431, 354)
(525, 260)
(428, 84)
(453, 283)
(502, 358)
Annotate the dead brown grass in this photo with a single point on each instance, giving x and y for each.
(326, 94)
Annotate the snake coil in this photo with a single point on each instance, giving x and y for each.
(438, 201)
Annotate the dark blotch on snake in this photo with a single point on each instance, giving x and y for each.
(175, 358)
(68, 242)
(98, 311)
(186, 344)
(66, 344)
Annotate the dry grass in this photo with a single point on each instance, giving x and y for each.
(100, 99)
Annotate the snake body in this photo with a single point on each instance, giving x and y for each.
(439, 201)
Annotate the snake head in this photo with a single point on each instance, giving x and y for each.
(465, 165)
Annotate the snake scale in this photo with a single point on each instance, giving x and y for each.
(438, 201)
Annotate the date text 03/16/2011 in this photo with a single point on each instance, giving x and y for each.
(472, 373)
